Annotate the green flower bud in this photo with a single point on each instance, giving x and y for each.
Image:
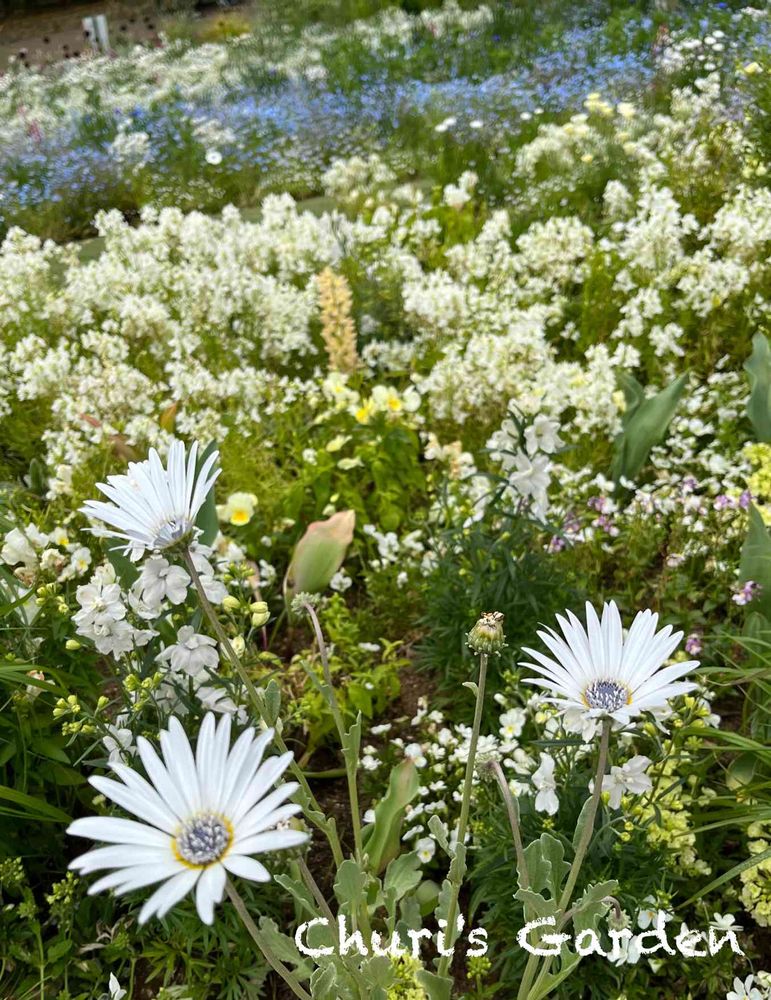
(487, 635)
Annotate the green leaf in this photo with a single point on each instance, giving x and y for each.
(755, 561)
(350, 883)
(383, 842)
(758, 368)
(402, 875)
(207, 519)
(437, 829)
(323, 983)
(283, 947)
(750, 862)
(319, 555)
(436, 987)
(645, 424)
(272, 702)
(550, 981)
(535, 904)
(590, 907)
(33, 807)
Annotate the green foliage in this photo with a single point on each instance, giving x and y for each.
(645, 422)
(758, 368)
(491, 564)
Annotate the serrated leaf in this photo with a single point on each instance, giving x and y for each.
(535, 904)
(436, 987)
(436, 827)
(350, 883)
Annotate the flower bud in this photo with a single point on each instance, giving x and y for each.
(261, 613)
(231, 603)
(487, 635)
(239, 645)
(72, 645)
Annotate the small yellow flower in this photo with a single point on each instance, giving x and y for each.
(239, 508)
(752, 69)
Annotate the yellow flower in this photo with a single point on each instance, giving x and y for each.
(752, 68)
(364, 412)
(239, 508)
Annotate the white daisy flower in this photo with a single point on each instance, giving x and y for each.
(153, 508)
(597, 673)
(201, 817)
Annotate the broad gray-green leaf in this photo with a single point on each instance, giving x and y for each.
(402, 875)
(384, 838)
(758, 368)
(755, 562)
(644, 425)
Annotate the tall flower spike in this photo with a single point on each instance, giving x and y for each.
(200, 817)
(152, 507)
(597, 673)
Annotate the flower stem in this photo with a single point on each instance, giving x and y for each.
(578, 860)
(455, 875)
(311, 807)
(513, 812)
(351, 766)
(588, 830)
(259, 939)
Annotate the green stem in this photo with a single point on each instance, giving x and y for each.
(513, 813)
(351, 766)
(455, 875)
(350, 760)
(259, 939)
(310, 806)
(578, 860)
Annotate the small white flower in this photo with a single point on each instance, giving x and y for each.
(651, 914)
(415, 752)
(511, 723)
(118, 743)
(744, 990)
(192, 652)
(213, 157)
(116, 993)
(200, 816)
(543, 779)
(425, 848)
(159, 581)
(630, 777)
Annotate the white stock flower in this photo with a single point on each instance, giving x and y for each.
(543, 779)
(191, 653)
(744, 990)
(629, 777)
(153, 507)
(200, 817)
(597, 673)
(425, 848)
(160, 580)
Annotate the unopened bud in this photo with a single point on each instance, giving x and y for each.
(72, 645)
(487, 635)
(260, 613)
(231, 603)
